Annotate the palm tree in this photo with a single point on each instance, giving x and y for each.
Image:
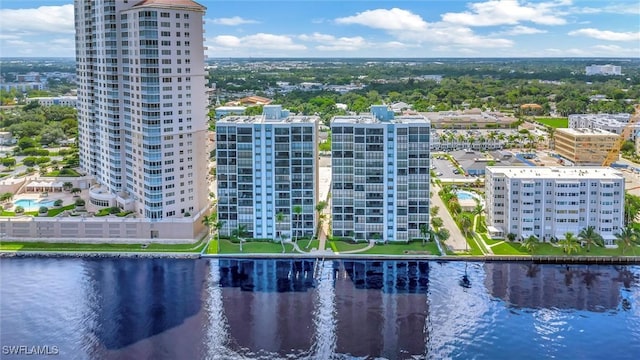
(67, 185)
(627, 238)
(590, 236)
(218, 225)
(279, 220)
(530, 243)
(465, 224)
(478, 209)
(569, 243)
(239, 233)
(433, 211)
(297, 209)
(209, 221)
(424, 230)
(437, 223)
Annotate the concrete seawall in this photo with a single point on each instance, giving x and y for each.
(604, 260)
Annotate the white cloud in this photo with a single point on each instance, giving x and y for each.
(607, 35)
(257, 41)
(507, 12)
(615, 50)
(233, 21)
(393, 19)
(629, 8)
(49, 19)
(520, 30)
(407, 26)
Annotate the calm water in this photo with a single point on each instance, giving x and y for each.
(269, 309)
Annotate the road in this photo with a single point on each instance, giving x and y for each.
(456, 241)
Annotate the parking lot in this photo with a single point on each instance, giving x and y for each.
(444, 168)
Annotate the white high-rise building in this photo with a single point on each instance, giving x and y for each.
(550, 201)
(142, 106)
(380, 175)
(268, 165)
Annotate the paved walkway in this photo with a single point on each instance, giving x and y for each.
(483, 245)
(456, 241)
(372, 243)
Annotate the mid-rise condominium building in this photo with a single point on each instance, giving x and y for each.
(614, 123)
(550, 201)
(267, 171)
(380, 175)
(603, 70)
(584, 146)
(142, 105)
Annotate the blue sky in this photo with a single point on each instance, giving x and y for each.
(367, 28)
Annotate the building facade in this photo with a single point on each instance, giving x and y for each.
(603, 70)
(380, 175)
(267, 172)
(56, 100)
(550, 201)
(142, 105)
(584, 146)
(614, 123)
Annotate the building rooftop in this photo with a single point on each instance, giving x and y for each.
(370, 119)
(557, 172)
(262, 119)
(171, 3)
(585, 131)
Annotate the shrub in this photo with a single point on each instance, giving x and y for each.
(57, 203)
(43, 160)
(114, 210)
(29, 161)
(43, 210)
(19, 210)
(80, 202)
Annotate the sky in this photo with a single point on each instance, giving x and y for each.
(367, 28)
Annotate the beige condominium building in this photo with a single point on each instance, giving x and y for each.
(583, 146)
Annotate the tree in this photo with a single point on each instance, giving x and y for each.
(209, 221)
(52, 134)
(279, 220)
(218, 225)
(627, 239)
(478, 209)
(465, 224)
(67, 185)
(75, 190)
(434, 211)
(9, 162)
(569, 243)
(437, 223)
(27, 142)
(589, 236)
(6, 196)
(443, 234)
(530, 243)
(239, 233)
(511, 237)
(631, 208)
(297, 210)
(424, 230)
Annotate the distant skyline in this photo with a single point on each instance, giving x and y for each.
(373, 28)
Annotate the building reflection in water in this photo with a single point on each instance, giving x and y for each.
(268, 305)
(382, 308)
(579, 287)
(134, 300)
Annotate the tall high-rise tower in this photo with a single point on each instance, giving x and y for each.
(142, 104)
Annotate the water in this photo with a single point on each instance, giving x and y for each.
(286, 309)
(33, 205)
(465, 195)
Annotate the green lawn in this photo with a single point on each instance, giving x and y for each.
(412, 248)
(340, 246)
(489, 240)
(305, 246)
(46, 246)
(474, 248)
(249, 247)
(65, 173)
(52, 212)
(508, 248)
(554, 122)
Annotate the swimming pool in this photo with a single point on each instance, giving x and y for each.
(33, 205)
(467, 195)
